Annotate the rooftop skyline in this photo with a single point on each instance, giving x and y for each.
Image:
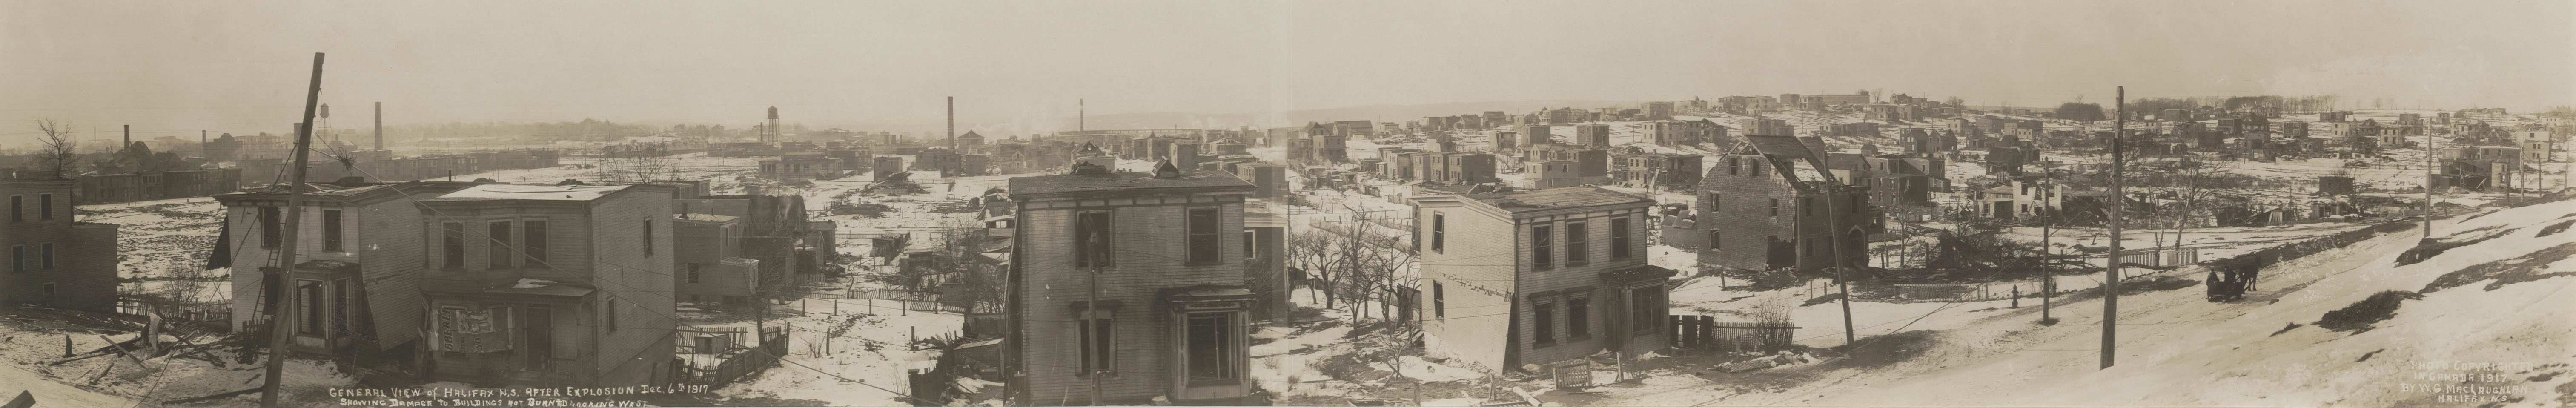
(172, 69)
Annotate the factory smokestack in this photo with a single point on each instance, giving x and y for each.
(952, 123)
(129, 137)
(380, 125)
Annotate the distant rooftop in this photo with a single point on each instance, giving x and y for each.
(1075, 183)
(1555, 198)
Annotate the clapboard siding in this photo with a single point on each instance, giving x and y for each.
(1151, 253)
(1491, 283)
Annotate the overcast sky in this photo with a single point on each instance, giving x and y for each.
(171, 68)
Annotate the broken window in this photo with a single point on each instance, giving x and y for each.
(1096, 341)
(1091, 244)
(1439, 301)
(1542, 323)
(499, 255)
(452, 241)
(331, 230)
(535, 248)
(268, 227)
(1211, 345)
(1647, 308)
(1542, 246)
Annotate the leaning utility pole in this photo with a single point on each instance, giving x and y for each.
(2111, 269)
(1834, 238)
(283, 277)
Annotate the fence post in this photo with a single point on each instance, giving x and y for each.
(1709, 332)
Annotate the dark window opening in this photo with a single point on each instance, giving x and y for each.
(1439, 301)
(44, 206)
(499, 255)
(1578, 243)
(1648, 308)
(648, 237)
(1578, 318)
(1439, 232)
(611, 320)
(331, 230)
(535, 248)
(1096, 343)
(1205, 244)
(309, 299)
(268, 227)
(1619, 240)
(1091, 244)
(453, 243)
(1211, 346)
(1543, 324)
(1542, 246)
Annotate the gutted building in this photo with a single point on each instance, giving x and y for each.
(1760, 209)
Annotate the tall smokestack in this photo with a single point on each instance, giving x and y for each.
(1081, 114)
(380, 125)
(129, 138)
(952, 123)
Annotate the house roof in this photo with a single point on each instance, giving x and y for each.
(1554, 198)
(704, 217)
(528, 192)
(1079, 183)
(1784, 146)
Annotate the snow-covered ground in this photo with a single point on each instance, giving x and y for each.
(2177, 349)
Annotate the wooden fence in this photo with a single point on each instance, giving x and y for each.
(735, 362)
(1700, 332)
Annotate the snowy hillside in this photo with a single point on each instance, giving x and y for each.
(2484, 331)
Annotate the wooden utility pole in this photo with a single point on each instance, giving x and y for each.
(1834, 238)
(1096, 361)
(2111, 269)
(284, 277)
(2047, 276)
(2429, 162)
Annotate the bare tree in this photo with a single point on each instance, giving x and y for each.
(635, 168)
(1314, 253)
(59, 155)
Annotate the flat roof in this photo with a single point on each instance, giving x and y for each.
(1555, 198)
(528, 192)
(1075, 183)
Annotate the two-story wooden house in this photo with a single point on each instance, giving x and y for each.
(358, 270)
(548, 286)
(1537, 276)
(1131, 281)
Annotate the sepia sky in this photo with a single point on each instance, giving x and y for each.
(172, 68)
